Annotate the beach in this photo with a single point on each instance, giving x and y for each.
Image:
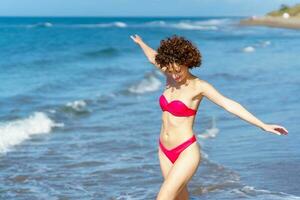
(271, 21)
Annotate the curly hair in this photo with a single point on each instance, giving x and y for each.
(179, 50)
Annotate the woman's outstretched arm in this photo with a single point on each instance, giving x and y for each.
(237, 109)
(149, 52)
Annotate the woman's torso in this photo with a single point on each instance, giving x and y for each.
(176, 129)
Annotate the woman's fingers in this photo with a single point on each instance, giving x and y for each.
(276, 132)
(132, 37)
(272, 130)
(284, 129)
(136, 35)
(281, 131)
(136, 38)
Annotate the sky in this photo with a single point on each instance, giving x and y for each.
(139, 7)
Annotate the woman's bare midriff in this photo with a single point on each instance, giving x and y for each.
(175, 130)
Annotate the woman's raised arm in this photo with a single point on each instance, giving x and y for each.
(149, 52)
(237, 109)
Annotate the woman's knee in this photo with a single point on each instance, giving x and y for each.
(169, 190)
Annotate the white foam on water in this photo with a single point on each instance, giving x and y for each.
(262, 194)
(118, 24)
(211, 24)
(211, 132)
(192, 26)
(77, 105)
(262, 44)
(157, 23)
(14, 132)
(265, 43)
(44, 24)
(148, 84)
(248, 49)
(214, 22)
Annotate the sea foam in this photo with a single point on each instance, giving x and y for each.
(14, 132)
(148, 84)
(248, 49)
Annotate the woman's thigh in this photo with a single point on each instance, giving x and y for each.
(165, 163)
(181, 172)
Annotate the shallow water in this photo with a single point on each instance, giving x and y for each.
(80, 116)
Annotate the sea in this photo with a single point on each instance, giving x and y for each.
(80, 117)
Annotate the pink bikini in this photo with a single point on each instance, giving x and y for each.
(179, 109)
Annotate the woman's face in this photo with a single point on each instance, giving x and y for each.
(178, 72)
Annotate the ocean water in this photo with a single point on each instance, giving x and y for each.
(80, 119)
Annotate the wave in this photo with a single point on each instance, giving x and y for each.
(262, 44)
(215, 22)
(149, 83)
(265, 43)
(41, 25)
(77, 107)
(117, 24)
(248, 49)
(192, 26)
(183, 24)
(222, 182)
(108, 52)
(236, 190)
(211, 132)
(253, 193)
(14, 132)
(216, 177)
(105, 52)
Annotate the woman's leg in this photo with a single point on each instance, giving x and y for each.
(184, 194)
(165, 163)
(180, 173)
(165, 166)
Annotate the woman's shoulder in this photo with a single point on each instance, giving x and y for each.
(200, 81)
(200, 84)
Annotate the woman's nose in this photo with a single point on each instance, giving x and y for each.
(175, 76)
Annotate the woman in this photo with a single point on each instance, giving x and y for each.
(178, 152)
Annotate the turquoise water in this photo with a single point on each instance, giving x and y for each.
(80, 116)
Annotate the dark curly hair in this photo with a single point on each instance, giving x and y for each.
(179, 50)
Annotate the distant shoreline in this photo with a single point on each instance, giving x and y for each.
(270, 21)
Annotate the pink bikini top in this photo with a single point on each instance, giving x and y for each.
(176, 107)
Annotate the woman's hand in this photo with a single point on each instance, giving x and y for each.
(137, 39)
(276, 129)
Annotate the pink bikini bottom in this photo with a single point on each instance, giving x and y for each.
(173, 153)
